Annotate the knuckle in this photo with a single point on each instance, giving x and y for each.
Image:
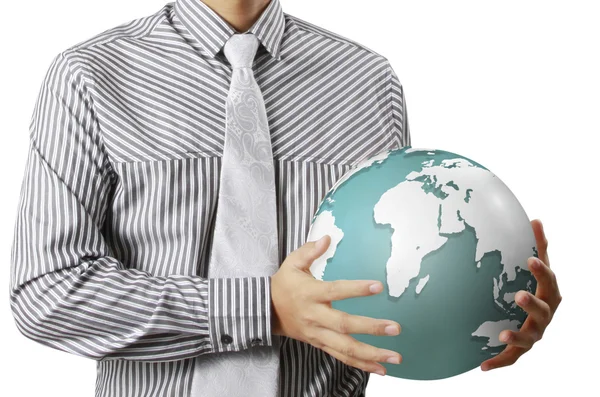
(301, 254)
(546, 314)
(312, 338)
(335, 354)
(345, 359)
(343, 325)
(536, 334)
(349, 350)
(308, 318)
(530, 339)
(378, 328)
(332, 287)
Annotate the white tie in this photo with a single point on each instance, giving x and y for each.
(245, 242)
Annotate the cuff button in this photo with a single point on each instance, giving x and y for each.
(226, 339)
(256, 341)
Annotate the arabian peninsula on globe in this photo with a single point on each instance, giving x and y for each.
(450, 243)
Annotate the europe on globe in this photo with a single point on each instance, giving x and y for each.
(450, 243)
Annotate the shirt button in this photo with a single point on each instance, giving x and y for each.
(256, 341)
(226, 339)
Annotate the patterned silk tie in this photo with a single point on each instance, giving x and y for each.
(245, 240)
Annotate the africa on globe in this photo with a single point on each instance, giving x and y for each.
(450, 243)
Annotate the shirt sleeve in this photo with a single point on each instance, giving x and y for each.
(69, 292)
(400, 126)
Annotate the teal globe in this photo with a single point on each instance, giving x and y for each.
(449, 242)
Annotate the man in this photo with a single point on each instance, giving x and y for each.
(115, 225)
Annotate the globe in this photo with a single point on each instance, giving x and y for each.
(450, 243)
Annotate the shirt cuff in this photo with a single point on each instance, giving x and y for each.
(239, 313)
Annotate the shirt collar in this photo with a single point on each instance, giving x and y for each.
(212, 31)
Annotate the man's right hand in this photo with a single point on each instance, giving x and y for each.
(302, 310)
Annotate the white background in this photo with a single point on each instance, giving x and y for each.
(513, 85)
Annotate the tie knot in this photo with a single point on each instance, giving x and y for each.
(240, 49)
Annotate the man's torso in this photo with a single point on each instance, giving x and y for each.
(161, 110)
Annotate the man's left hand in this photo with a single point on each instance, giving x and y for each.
(539, 307)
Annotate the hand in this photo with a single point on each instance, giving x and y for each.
(540, 308)
(302, 310)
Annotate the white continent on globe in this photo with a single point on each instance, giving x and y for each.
(491, 330)
(325, 225)
(422, 282)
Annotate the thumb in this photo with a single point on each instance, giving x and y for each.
(311, 251)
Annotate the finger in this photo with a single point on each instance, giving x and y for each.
(345, 323)
(349, 347)
(547, 287)
(537, 309)
(523, 339)
(540, 240)
(310, 251)
(369, 366)
(508, 356)
(328, 291)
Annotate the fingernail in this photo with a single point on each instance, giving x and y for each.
(319, 242)
(536, 264)
(375, 288)
(393, 360)
(505, 337)
(380, 372)
(392, 330)
(523, 298)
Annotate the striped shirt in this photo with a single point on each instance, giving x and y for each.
(117, 204)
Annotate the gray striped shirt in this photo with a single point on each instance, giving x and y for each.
(117, 204)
